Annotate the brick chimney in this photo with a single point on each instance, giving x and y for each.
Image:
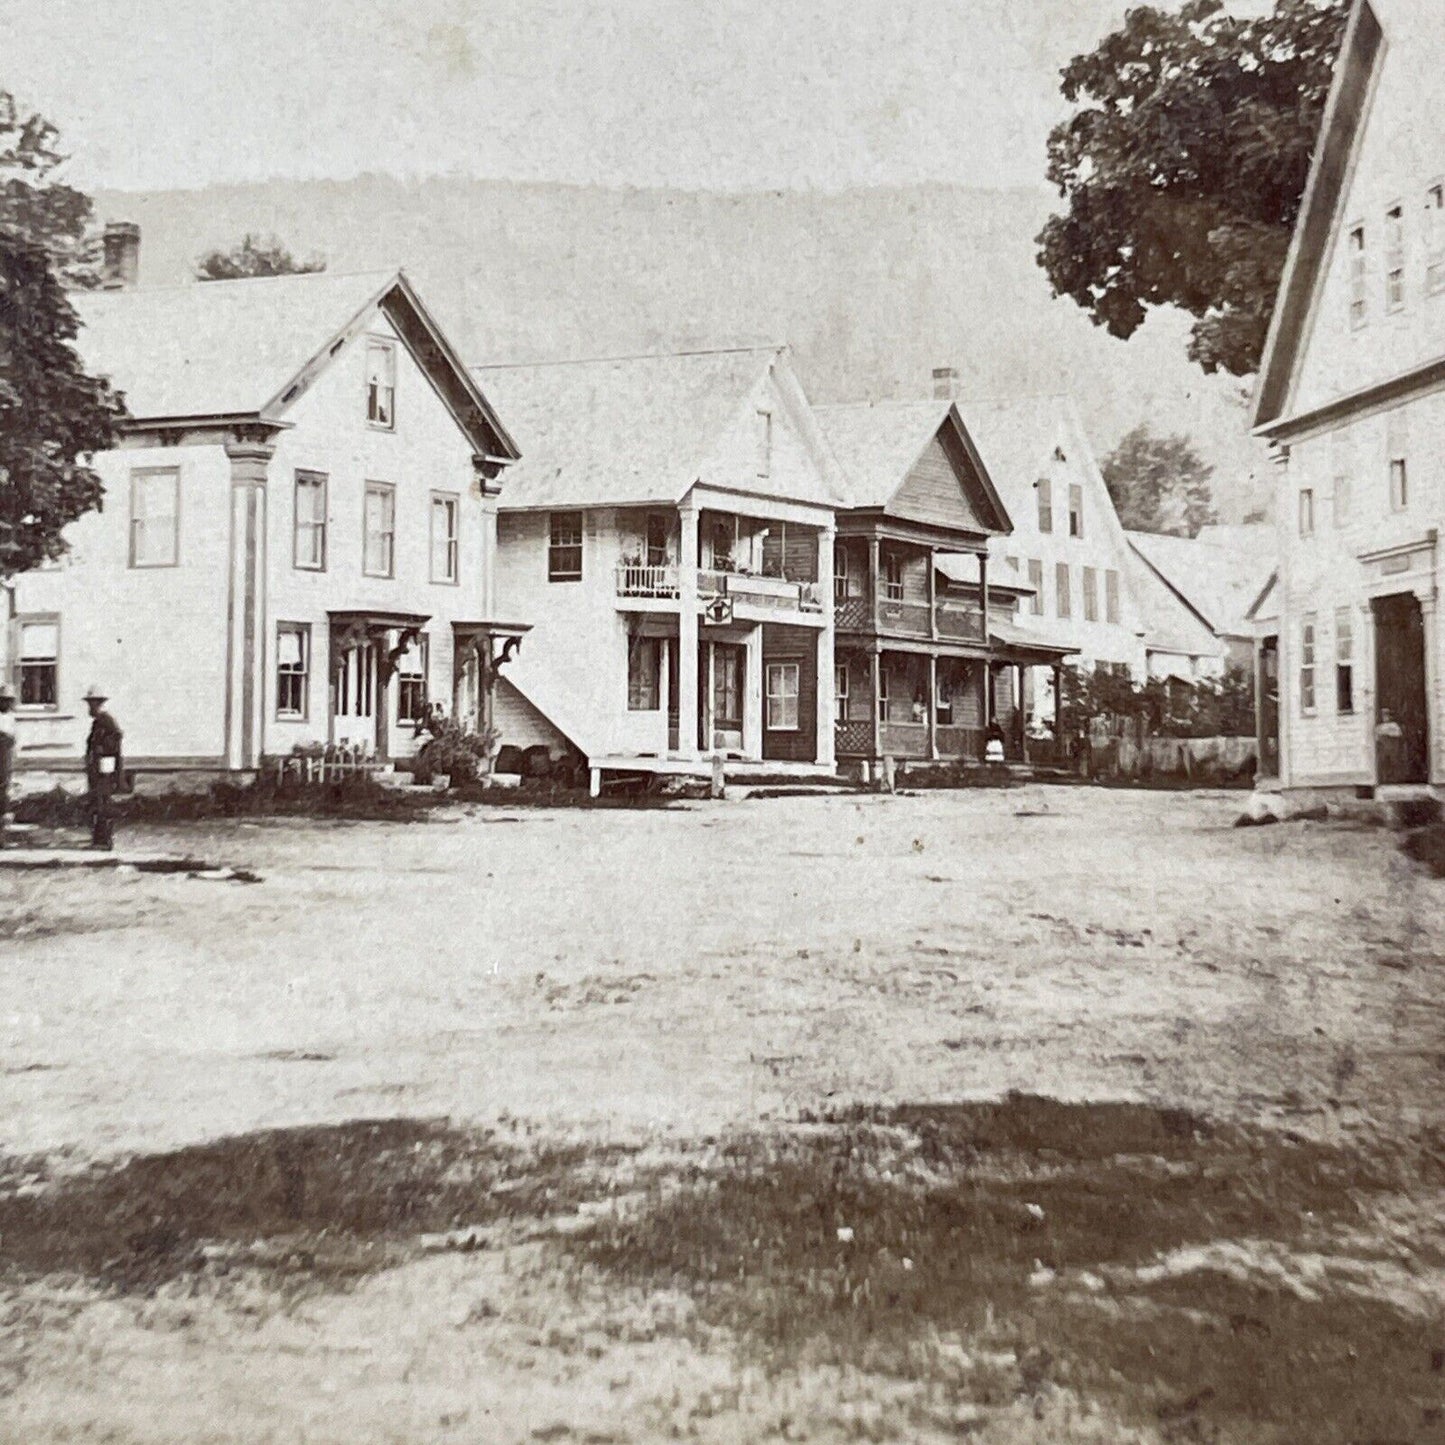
(120, 268)
(945, 383)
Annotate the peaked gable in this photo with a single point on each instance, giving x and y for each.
(943, 488)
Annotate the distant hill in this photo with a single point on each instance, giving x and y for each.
(873, 288)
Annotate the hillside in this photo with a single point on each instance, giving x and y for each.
(873, 288)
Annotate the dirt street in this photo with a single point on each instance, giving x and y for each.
(673, 1046)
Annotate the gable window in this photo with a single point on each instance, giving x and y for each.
(1045, 489)
(1306, 512)
(644, 673)
(381, 383)
(308, 533)
(1091, 594)
(155, 514)
(893, 576)
(1359, 278)
(1435, 239)
(411, 673)
(1064, 600)
(1307, 664)
(1395, 258)
(1399, 478)
(840, 691)
(38, 659)
(1036, 581)
(379, 554)
(1111, 595)
(1076, 511)
(764, 424)
(564, 547)
(293, 669)
(1344, 661)
(445, 507)
(782, 697)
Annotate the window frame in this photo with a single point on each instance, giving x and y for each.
(387, 490)
(644, 694)
(892, 575)
(782, 668)
(1076, 510)
(1399, 484)
(303, 631)
(841, 690)
(1396, 258)
(387, 346)
(137, 476)
(764, 425)
(21, 621)
(1044, 488)
(305, 478)
(407, 682)
(1344, 662)
(1309, 642)
(1306, 511)
(1063, 591)
(1434, 238)
(453, 502)
(1357, 251)
(554, 573)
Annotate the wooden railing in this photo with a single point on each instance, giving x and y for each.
(755, 589)
(903, 740)
(913, 618)
(959, 621)
(636, 580)
(950, 619)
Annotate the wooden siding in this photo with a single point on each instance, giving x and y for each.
(791, 552)
(800, 645)
(937, 491)
(519, 723)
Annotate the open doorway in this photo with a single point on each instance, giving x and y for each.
(1402, 727)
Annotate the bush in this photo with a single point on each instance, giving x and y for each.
(1097, 700)
(452, 752)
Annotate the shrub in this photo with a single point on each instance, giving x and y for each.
(452, 751)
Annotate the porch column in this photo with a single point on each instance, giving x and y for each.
(245, 698)
(873, 564)
(1058, 702)
(1020, 721)
(826, 652)
(932, 594)
(486, 477)
(1429, 616)
(1259, 733)
(687, 631)
(932, 703)
(875, 662)
(983, 592)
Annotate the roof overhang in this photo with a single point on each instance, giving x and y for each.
(378, 619)
(1013, 644)
(487, 628)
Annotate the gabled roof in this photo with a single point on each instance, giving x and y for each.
(1215, 580)
(1309, 248)
(250, 348)
(878, 444)
(1172, 622)
(626, 430)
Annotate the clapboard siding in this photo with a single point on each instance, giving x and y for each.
(935, 491)
(519, 723)
(800, 645)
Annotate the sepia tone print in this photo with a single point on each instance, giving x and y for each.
(722, 723)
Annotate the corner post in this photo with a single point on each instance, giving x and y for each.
(249, 452)
(687, 630)
(826, 702)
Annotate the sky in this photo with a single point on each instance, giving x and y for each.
(697, 94)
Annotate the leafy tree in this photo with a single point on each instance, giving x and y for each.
(1184, 166)
(1159, 483)
(52, 415)
(34, 203)
(255, 256)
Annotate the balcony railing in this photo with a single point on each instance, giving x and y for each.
(956, 621)
(755, 590)
(636, 580)
(908, 740)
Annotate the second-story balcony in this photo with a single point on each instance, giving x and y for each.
(953, 619)
(660, 583)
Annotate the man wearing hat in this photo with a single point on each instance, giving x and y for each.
(7, 751)
(102, 768)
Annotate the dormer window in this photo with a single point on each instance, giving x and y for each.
(381, 383)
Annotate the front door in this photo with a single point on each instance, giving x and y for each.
(1402, 729)
(354, 695)
(721, 687)
(1268, 719)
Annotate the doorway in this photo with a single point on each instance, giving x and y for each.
(1268, 715)
(721, 682)
(1402, 727)
(355, 696)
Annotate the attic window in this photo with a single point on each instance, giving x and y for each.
(381, 383)
(765, 443)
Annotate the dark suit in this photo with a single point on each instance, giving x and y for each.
(103, 743)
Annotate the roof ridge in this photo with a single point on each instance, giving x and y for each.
(741, 350)
(199, 285)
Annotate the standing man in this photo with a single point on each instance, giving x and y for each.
(102, 769)
(7, 752)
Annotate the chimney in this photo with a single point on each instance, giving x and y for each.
(121, 267)
(945, 383)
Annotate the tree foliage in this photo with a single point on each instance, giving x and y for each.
(53, 416)
(35, 203)
(1184, 165)
(255, 255)
(1097, 703)
(1159, 483)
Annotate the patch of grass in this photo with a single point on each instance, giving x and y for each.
(867, 1239)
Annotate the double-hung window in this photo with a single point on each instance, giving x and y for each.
(1395, 258)
(38, 661)
(1344, 661)
(893, 576)
(1065, 603)
(644, 674)
(445, 509)
(1091, 594)
(411, 673)
(1036, 581)
(840, 691)
(293, 669)
(1307, 664)
(564, 547)
(1359, 277)
(155, 516)
(379, 556)
(1045, 489)
(381, 383)
(308, 537)
(782, 696)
